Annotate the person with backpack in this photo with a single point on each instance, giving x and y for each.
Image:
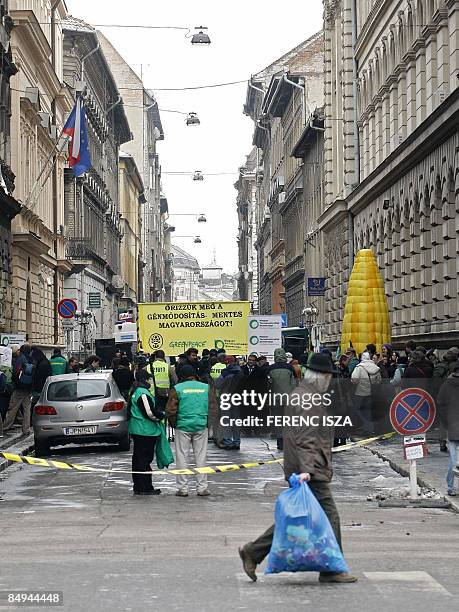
(22, 379)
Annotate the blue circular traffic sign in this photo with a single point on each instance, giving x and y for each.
(67, 308)
(412, 411)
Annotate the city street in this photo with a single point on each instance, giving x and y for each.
(88, 536)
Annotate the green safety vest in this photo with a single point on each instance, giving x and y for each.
(138, 424)
(160, 371)
(216, 370)
(193, 408)
(58, 365)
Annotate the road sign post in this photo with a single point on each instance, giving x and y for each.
(412, 413)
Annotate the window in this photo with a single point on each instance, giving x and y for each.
(78, 390)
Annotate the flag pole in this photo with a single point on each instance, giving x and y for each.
(55, 150)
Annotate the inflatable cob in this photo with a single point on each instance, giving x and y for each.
(366, 315)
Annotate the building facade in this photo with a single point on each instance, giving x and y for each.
(9, 207)
(40, 106)
(92, 202)
(145, 123)
(246, 186)
(392, 161)
(185, 276)
(131, 191)
(282, 101)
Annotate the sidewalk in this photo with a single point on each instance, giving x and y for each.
(14, 440)
(431, 470)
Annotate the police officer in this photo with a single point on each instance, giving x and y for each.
(217, 369)
(163, 378)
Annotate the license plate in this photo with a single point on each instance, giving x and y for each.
(80, 431)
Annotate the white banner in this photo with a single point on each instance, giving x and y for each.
(265, 335)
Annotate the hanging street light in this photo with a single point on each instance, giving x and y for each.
(202, 219)
(198, 176)
(196, 239)
(200, 38)
(192, 119)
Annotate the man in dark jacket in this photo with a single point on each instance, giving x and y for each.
(230, 382)
(191, 359)
(22, 379)
(442, 369)
(42, 371)
(308, 453)
(283, 380)
(448, 405)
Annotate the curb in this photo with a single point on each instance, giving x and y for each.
(454, 505)
(24, 446)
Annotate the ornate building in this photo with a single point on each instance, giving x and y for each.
(40, 106)
(9, 207)
(392, 159)
(246, 186)
(92, 203)
(185, 276)
(145, 123)
(282, 100)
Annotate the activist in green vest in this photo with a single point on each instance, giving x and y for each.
(190, 405)
(217, 369)
(147, 432)
(58, 363)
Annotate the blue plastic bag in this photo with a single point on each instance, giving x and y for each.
(303, 537)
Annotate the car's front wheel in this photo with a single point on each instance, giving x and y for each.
(125, 443)
(42, 448)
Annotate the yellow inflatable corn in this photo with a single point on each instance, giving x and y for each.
(366, 315)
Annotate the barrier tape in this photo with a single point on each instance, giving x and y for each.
(216, 469)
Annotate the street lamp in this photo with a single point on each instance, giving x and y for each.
(198, 176)
(311, 313)
(200, 217)
(200, 38)
(83, 319)
(196, 239)
(192, 119)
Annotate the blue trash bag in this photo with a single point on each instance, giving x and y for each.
(303, 537)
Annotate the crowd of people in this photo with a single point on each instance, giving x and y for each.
(364, 385)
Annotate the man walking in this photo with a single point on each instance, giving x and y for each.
(22, 379)
(189, 407)
(307, 452)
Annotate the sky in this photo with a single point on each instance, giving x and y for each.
(246, 36)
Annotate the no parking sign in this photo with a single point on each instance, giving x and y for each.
(412, 411)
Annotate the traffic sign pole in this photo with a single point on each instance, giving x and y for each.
(412, 413)
(413, 479)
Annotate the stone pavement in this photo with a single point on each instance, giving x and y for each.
(88, 536)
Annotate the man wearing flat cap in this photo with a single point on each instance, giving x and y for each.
(308, 453)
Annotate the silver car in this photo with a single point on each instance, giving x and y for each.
(79, 408)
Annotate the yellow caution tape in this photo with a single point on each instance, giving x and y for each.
(215, 469)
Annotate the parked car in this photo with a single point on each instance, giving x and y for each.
(80, 408)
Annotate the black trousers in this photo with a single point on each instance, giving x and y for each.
(260, 548)
(142, 456)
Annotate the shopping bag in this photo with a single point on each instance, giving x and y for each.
(303, 537)
(164, 455)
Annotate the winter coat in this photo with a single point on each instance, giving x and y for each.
(42, 371)
(308, 448)
(417, 376)
(448, 405)
(353, 363)
(283, 377)
(366, 374)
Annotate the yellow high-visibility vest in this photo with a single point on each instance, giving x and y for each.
(160, 370)
(216, 370)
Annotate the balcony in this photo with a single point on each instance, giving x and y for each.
(80, 254)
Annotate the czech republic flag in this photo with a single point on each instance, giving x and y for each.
(79, 156)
